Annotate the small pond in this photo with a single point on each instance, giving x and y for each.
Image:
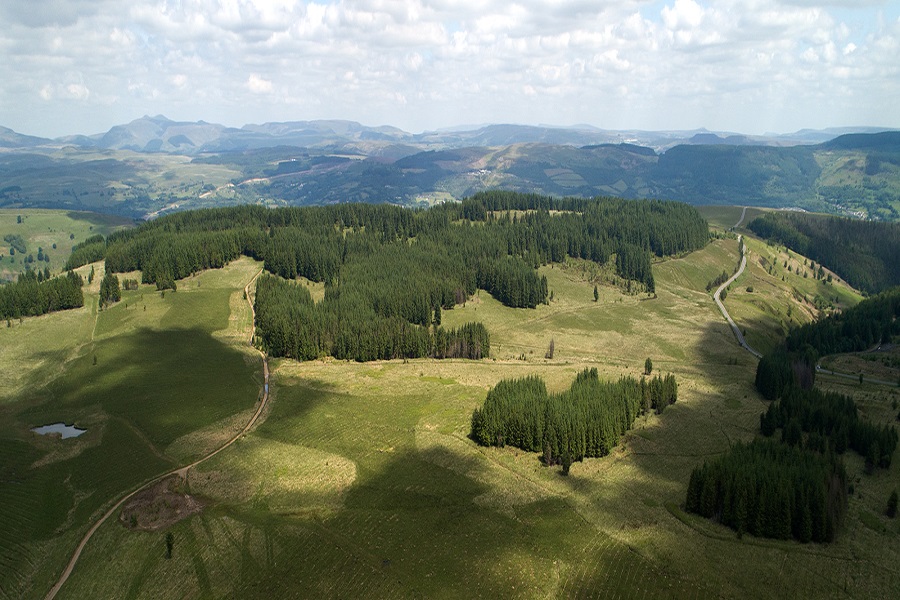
(66, 431)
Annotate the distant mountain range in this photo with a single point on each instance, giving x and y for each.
(154, 164)
(160, 134)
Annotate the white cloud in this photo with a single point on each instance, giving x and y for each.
(420, 64)
(77, 91)
(258, 85)
(685, 14)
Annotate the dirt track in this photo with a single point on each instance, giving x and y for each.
(737, 332)
(181, 471)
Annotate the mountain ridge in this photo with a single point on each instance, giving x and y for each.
(155, 164)
(161, 134)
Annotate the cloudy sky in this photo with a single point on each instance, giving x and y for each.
(751, 66)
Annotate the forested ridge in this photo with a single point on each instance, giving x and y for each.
(862, 252)
(796, 487)
(585, 421)
(872, 321)
(831, 421)
(389, 271)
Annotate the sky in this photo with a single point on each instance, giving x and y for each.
(747, 66)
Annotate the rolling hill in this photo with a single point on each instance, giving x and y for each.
(360, 481)
(155, 164)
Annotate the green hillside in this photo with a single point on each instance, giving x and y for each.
(854, 175)
(50, 234)
(361, 480)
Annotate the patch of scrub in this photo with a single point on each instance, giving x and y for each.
(63, 430)
(159, 506)
(286, 477)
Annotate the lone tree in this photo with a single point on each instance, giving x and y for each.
(648, 366)
(170, 543)
(892, 505)
(596, 294)
(552, 349)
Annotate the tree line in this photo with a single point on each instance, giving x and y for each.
(585, 421)
(389, 271)
(290, 324)
(316, 241)
(90, 250)
(862, 252)
(871, 322)
(31, 295)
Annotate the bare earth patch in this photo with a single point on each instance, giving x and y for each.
(159, 506)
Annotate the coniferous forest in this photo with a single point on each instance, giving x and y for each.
(390, 271)
(872, 321)
(862, 252)
(772, 490)
(36, 294)
(585, 421)
(831, 421)
(794, 485)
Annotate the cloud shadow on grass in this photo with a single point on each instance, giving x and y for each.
(148, 388)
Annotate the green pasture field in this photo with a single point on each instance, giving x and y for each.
(774, 305)
(156, 381)
(361, 482)
(44, 228)
(725, 217)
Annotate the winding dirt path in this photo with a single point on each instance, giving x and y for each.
(750, 349)
(741, 220)
(181, 471)
(718, 299)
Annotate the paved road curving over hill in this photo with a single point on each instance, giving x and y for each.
(716, 296)
(181, 471)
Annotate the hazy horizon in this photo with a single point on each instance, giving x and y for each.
(468, 127)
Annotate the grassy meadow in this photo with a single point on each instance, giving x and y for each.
(767, 304)
(155, 380)
(53, 231)
(361, 482)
